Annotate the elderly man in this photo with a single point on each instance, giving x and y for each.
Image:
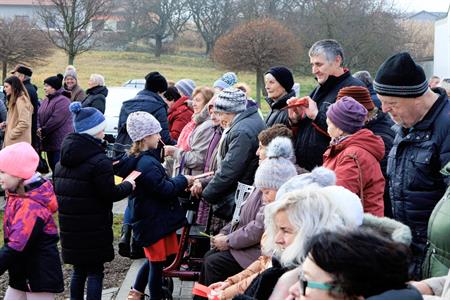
(24, 73)
(421, 146)
(327, 58)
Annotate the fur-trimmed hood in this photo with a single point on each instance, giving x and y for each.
(395, 230)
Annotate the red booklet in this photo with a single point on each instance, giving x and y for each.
(133, 175)
(298, 102)
(202, 291)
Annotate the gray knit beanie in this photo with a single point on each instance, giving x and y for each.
(277, 168)
(141, 124)
(231, 100)
(320, 176)
(186, 87)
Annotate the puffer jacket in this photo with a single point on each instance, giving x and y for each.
(30, 252)
(312, 140)
(278, 115)
(356, 162)
(414, 163)
(238, 160)
(437, 261)
(96, 98)
(179, 114)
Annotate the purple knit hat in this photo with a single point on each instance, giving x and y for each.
(347, 114)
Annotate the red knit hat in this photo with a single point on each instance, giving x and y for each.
(19, 160)
(359, 93)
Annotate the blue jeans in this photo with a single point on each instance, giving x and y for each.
(127, 215)
(53, 157)
(94, 275)
(151, 273)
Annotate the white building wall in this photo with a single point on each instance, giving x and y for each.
(11, 11)
(442, 47)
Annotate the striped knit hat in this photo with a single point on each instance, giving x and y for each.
(400, 76)
(231, 100)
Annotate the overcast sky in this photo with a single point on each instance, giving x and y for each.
(428, 5)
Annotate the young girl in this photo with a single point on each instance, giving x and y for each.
(29, 253)
(156, 212)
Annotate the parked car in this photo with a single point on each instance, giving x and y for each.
(136, 83)
(116, 96)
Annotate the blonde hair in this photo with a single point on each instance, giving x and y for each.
(136, 148)
(310, 212)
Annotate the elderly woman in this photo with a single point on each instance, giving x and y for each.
(191, 149)
(96, 93)
(71, 84)
(54, 118)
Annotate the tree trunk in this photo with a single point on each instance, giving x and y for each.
(71, 58)
(209, 48)
(258, 86)
(158, 46)
(4, 68)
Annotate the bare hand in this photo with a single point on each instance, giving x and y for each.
(169, 150)
(3, 125)
(221, 242)
(133, 183)
(294, 113)
(423, 288)
(197, 189)
(219, 286)
(190, 179)
(311, 111)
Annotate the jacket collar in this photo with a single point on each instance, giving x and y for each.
(280, 103)
(332, 81)
(245, 114)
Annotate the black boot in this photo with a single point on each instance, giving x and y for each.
(124, 243)
(136, 251)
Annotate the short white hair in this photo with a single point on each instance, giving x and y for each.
(311, 212)
(98, 79)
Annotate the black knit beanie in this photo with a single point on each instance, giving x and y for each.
(155, 82)
(400, 76)
(55, 81)
(284, 77)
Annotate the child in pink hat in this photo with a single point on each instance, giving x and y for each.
(30, 253)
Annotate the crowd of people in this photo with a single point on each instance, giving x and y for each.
(347, 188)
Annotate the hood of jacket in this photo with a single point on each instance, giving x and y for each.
(243, 115)
(39, 190)
(180, 105)
(364, 139)
(98, 90)
(78, 148)
(395, 230)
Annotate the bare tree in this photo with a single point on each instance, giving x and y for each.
(69, 24)
(420, 38)
(213, 18)
(257, 45)
(157, 20)
(20, 43)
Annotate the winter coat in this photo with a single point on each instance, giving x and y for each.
(244, 241)
(193, 161)
(19, 122)
(278, 115)
(96, 97)
(241, 281)
(30, 253)
(381, 125)
(32, 92)
(408, 293)
(440, 287)
(238, 162)
(149, 102)
(356, 162)
(155, 209)
(310, 142)
(76, 93)
(179, 114)
(437, 261)
(414, 164)
(84, 185)
(55, 120)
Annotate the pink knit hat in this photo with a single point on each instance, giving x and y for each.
(19, 160)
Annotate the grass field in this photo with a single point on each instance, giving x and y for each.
(118, 67)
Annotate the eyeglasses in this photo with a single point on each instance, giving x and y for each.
(314, 285)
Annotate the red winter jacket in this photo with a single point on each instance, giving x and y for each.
(356, 162)
(179, 115)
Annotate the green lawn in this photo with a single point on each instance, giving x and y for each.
(118, 67)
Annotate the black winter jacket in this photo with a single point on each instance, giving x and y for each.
(96, 97)
(310, 144)
(155, 209)
(84, 185)
(276, 114)
(32, 92)
(238, 159)
(150, 102)
(414, 163)
(381, 125)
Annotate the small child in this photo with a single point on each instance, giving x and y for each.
(155, 210)
(30, 253)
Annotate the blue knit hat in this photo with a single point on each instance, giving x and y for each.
(227, 80)
(87, 120)
(186, 87)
